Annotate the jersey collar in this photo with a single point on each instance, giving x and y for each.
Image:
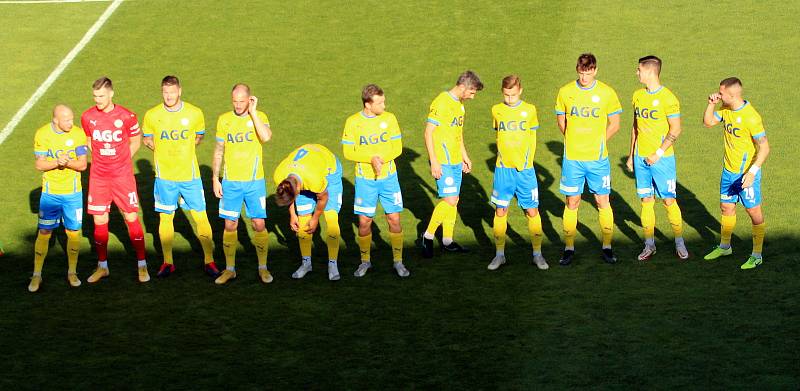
(454, 98)
(654, 92)
(55, 129)
(365, 115)
(515, 106)
(173, 111)
(743, 105)
(577, 83)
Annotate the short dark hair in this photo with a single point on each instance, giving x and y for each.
(470, 79)
(651, 62)
(369, 91)
(731, 81)
(170, 81)
(103, 82)
(511, 81)
(586, 62)
(285, 194)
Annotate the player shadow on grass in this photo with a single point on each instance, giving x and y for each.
(417, 192)
(693, 211)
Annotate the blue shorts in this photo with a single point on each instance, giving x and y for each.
(508, 182)
(369, 191)
(169, 193)
(306, 201)
(659, 180)
(730, 190)
(53, 208)
(449, 184)
(575, 173)
(253, 193)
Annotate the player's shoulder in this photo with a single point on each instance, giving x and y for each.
(666, 91)
(124, 110)
(528, 106)
(442, 98)
(226, 116)
(353, 118)
(90, 112)
(388, 116)
(639, 94)
(154, 110)
(498, 108)
(603, 86)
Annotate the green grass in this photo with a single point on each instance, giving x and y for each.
(452, 325)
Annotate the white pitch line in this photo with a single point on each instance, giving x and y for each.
(57, 72)
(50, 1)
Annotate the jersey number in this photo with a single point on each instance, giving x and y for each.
(607, 181)
(132, 198)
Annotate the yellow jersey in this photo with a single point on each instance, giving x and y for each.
(243, 153)
(651, 111)
(447, 113)
(51, 143)
(311, 163)
(174, 134)
(742, 127)
(515, 127)
(587, 110)
(367, 136)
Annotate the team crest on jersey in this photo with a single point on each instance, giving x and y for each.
(69, 143)
(595, 98)
(738, 120)
(524, 113)
(185, 121)
(383, 125)
(656, 102)
(250, 123)
(118, 123)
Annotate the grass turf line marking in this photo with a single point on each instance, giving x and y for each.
(50, 1)
(57, 72)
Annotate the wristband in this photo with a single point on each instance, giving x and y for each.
(660, 152)
(754, 169)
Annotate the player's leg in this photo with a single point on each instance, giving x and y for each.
(392, 202)
(331, 214)
(599, 180)
(98, 206)
(728, 196)
(444, 214)
(195, 201)
(527, 193)
(646, 193)
(49, 219)
(304, 206)
(451, 181)
(165, 195)
(255, 201)
(72, 212)
(230, 207)
(127, 200)
(665, 179)
(503, 186)
(366, 203)
(573, 179)
(751, 198)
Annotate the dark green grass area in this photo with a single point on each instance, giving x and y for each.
(663, 324)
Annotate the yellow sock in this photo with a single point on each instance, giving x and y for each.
(449, 223)
(303, 237)
(675, 219)
(40, 251)
(230, 240)
(649, 219)
(204, 235)
(606, 217)
(728, 223)
(261, 242)
(73, 249)
(396, 239)
(758, 237)
(439, 214)
(166, 232)
(364, 243)
(535, 230)
(333, 232)
(499, 227)
(570, 226)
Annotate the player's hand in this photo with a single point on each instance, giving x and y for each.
(652, 159)
(312, 224)
(629, 163)
(714, 98)
(377, 164)
(294, 222)
(217, 187)
(252, 106)
(466, 168)
(436, 170)
(748, 179)
(62, 161)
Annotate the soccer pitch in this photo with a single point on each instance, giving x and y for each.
(452, 324)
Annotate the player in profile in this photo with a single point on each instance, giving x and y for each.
(372, 139)
(172, 129)
(656, 127)
(60, 150)
(310, 178)
(240, 133)
(115, 138)
(587, 111)
(746, 150)
(448, 158)
(515, 123)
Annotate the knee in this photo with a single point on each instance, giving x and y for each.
(500, 212)
(669, 201)
(231, 225)
(532, 212)
(45, 232)
(453, 201)
(394, 222)
(258, 225)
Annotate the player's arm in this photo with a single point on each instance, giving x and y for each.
(467, 162)
(762, 151)
(561, 114)
(613, 126)
(322, 201)
(562, 123)
(263, 130)
(436, 167)
(632, 149)
(198, 137)
(710, 116)
(135, 143)
(219, 152)
(294, 221)
(147, 140)
(669, 139)
(43, 165)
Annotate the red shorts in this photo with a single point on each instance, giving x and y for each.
(121, 190)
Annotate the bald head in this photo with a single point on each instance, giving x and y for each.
(240, 97)
(63, 118)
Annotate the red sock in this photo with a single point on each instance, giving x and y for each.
(101, 241)
(136, 234)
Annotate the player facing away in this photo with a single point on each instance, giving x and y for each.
(515, 123)
(372, 139)
(746, 149)
(311, 179)
(448, 158)
(171, 130)
(240, 133)
(60, 150)
(115, 138)
(656, 127)
(587, 111)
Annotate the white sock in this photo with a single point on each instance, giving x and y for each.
(535, 253)
(262, 267)
(306, 260)
(499, 253)
(332, 262)
(37, 274)
(447, 241)
(679, 242)
(103, 264)
(231, 268)
(757, 255)
(569, 248)
(650, 242)
(142, 263)
(428, 236)
(724, 246)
